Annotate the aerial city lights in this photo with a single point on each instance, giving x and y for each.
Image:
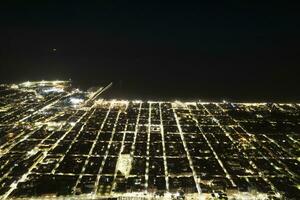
(76, 144)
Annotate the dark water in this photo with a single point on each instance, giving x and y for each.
(235, 51)
(181, 86)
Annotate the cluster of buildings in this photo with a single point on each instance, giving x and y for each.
(59, 141)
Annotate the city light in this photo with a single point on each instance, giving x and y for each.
(76, 101)
(53, 89)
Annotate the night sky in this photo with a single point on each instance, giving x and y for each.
(238, 50)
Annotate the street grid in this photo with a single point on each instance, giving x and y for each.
(59, 141)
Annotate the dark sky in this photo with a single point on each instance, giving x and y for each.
(238, 50)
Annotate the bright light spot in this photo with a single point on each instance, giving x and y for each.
(42, 83)
(55, 90)
(276, 167)
(99, 102)
(14, 185)
(124, 164)
(137, 101)
(77, 90)
(53, 125)
(26, 84)
(72, 123)
(277, 195)
(76, 101)
(57, 82)
(39, 96)
(14, 86)
(32, 152)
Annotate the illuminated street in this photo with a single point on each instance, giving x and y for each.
(56, 141)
